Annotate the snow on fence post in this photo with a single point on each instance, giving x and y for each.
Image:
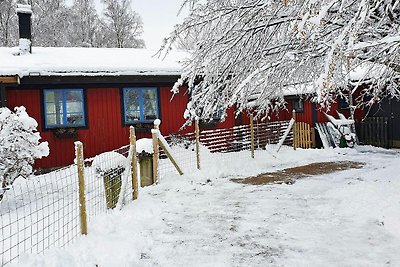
(155, 150)
(81, 178)
(197, 131)
(135, 184)
(294, 129)
(252, 135)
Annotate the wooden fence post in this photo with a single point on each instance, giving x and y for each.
(135, 184)
(81, 179)
(313, 144)
(294, 129)
(197, 131)
(155, 153)
(252, 135)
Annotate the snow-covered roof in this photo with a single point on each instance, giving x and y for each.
(299, 89)
(79, 61)
(367, 70)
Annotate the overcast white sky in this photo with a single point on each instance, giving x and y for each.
(159, 18)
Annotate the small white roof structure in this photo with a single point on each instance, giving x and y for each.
(80, 61)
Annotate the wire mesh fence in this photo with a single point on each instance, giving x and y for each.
(220, 145)
(39, 213)
(45, 211)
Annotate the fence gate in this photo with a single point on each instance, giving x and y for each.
(304, 135)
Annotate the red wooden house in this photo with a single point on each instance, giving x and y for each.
(94, 95)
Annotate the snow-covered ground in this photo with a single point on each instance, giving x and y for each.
(347, 218)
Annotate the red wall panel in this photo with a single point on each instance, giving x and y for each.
(172, 109)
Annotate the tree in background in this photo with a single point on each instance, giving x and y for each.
(250, 52)
(56, 24)
(8, 24)
(19, 146)
(123, 26)
(85, 24)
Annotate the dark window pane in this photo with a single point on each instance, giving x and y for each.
(74, 101)
(149, 104)
(74, 96)
(132, 100)
(298, 105)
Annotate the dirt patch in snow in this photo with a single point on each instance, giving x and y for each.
(289, 175)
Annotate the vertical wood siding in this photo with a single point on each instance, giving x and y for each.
(105, 130)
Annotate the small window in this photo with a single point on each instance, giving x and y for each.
(217, 116)
(140, 105)
(343, 104)
(64, 108)
(298, 105)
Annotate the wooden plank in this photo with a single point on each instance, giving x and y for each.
(370, 139)
(252, 135)
(294, 129)
(9, 79)
(380, 131)
(385, 133)
(314, 144)
(197, 134)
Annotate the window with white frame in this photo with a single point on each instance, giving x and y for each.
(140, 104)
(64, 108)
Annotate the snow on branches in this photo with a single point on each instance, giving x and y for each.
(19, 146)
(247, 53)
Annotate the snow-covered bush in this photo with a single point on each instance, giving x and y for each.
(19, 146)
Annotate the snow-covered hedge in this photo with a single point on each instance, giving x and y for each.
(19, 146)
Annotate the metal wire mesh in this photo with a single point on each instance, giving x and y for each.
(43, 211)
(220, 145)
(39, 213)
(183, 150)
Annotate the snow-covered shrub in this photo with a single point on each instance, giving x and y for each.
(19, 146)
(110, 166)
